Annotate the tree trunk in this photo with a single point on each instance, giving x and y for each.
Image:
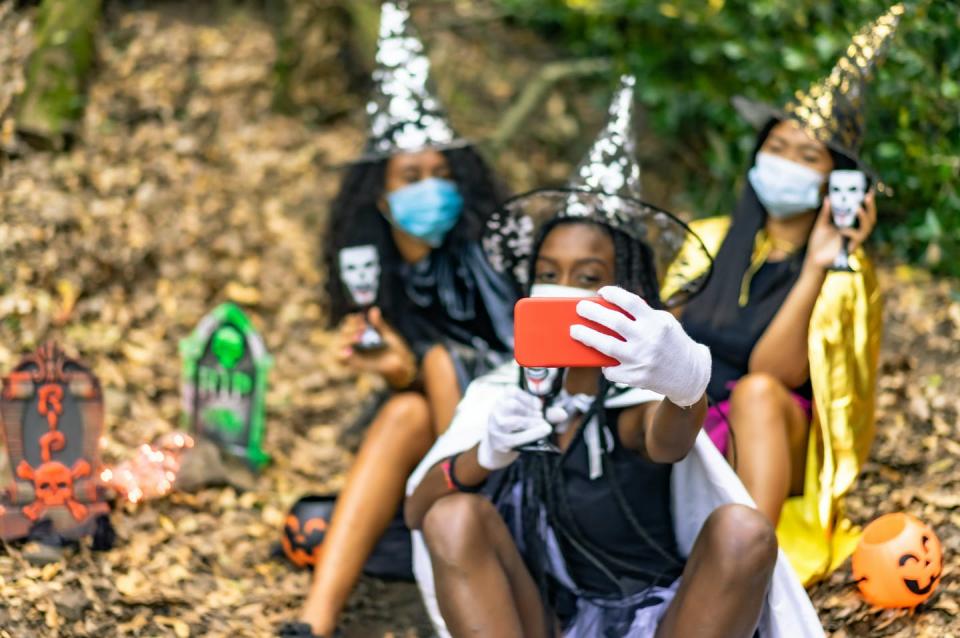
(57, 71)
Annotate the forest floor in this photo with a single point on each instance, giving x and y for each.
(187, 189)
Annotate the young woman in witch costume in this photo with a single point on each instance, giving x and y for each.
(633, 529)
(420, 196)
(794, 345)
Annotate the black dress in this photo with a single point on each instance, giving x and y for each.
(623, 519)
(731, 347)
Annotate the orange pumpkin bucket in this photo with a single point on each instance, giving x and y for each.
(898, 561)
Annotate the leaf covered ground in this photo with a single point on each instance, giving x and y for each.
(188, 189)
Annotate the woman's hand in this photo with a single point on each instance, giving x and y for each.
(655, 353)
(516, 420)
(395, 362)
(825, 238)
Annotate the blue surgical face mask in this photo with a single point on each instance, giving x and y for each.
(427, 209)
(785, 188)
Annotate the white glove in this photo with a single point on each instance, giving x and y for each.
(516, 420)
(656, 353)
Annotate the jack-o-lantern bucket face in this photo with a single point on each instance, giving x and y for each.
(898, 561)
(304, 529)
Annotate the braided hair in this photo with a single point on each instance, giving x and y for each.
(539, 475)
(634, 264)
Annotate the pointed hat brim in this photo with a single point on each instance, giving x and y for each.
(514, 228)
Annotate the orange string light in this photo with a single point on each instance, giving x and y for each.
(151, 472)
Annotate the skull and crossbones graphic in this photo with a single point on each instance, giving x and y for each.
(52, 480)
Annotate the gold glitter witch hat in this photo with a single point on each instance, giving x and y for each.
(832, 109)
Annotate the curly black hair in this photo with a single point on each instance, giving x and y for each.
(355, 219)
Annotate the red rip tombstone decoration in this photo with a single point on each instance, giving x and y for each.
(51, 413)
(898, 562)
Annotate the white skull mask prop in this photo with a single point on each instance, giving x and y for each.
(847, 190)
(540, 381)
(360, 272)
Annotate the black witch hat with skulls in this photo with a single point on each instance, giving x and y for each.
(404, 113)
(832, 109)
(604, 188)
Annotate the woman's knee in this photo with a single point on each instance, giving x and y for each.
(757, 388)
(439, 370)
(741, 541)
(437, 355)
(405, 416)
(455, 527)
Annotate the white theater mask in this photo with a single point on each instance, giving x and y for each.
(540, 381)
(360, 272)
(847, 190)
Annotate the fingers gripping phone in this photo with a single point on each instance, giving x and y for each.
(541, 334)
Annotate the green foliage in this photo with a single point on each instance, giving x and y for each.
(57, 71)
(692, 56)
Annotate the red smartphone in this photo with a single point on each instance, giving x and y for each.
(541, 334)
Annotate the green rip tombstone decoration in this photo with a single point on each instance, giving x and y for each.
(225, 367)
(51, 412)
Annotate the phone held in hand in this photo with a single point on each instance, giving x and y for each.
(541, 333)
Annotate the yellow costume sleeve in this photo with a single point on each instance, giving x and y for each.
(843, 350)
(690, 262)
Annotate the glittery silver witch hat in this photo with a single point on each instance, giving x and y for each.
(404, 113)
(604, 188)
(611, 166)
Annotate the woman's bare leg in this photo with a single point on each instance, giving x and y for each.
(398, 438)
(440, 386)
(482, 585)
(769, 442)
(726, 578)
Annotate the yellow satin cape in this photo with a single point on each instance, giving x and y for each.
(843, 349)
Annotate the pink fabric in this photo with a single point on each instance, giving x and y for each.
(718, 427)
